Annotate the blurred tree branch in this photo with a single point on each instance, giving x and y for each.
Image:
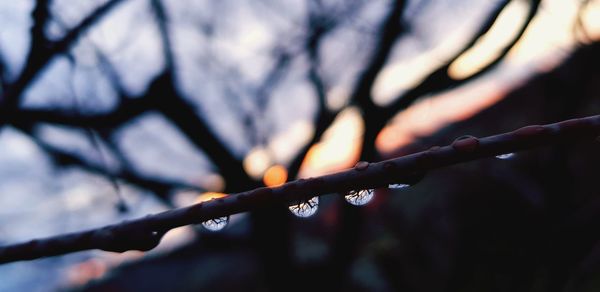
(160, 187)
(184, 115)
(145, 233)
(43, 50)
(187, 120)
(440, 80)
(271, 229)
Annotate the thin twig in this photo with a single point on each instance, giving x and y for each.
(145, 233)
(440, 80)
(38, 58)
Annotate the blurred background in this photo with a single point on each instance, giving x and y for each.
(116, 109)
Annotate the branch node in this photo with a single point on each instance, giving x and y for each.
(465, 143)
(121, 238)
(361, 165)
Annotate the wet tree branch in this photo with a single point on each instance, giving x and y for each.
(145, 233)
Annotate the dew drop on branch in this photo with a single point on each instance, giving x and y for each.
(505, 156)
(359, 197)
(216, 224)
(398, 186)
(305, 208)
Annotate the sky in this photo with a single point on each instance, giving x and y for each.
(223, 52)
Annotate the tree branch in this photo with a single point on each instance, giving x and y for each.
(325, 116)
(145, 233)
(184, 116)
(390, 30)
(127, 110)
(41, 54)
(159, 186)
(440, 80)
(162, 21)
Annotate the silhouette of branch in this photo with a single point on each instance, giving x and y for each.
(3, 74)
(145, 233)
(159, 186)
(440, 80)
(129, 109)
(185, 117)
(346, 237)
(377, 117)
(177, 110)
(325, 116)
(43, 50)
(162, 21)
(389, 32)
(40, 16)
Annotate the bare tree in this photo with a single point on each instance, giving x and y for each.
(184, 67)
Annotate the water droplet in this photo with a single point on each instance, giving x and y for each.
(216, 224)
(398, 186)
(361, 165)
(505, 156)
(360, 197)
(305, 208)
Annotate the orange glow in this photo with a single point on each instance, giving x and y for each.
(402, 75)
(116, 259)
(489, 46)
(550, 36)
(274, 176)
(338, 149)
(257, 161)
(175, 238)
(213, 182)
(209, 196)
(546, 42)
(86, 271)
(428, 116)
(590, 19)
(284, 146)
